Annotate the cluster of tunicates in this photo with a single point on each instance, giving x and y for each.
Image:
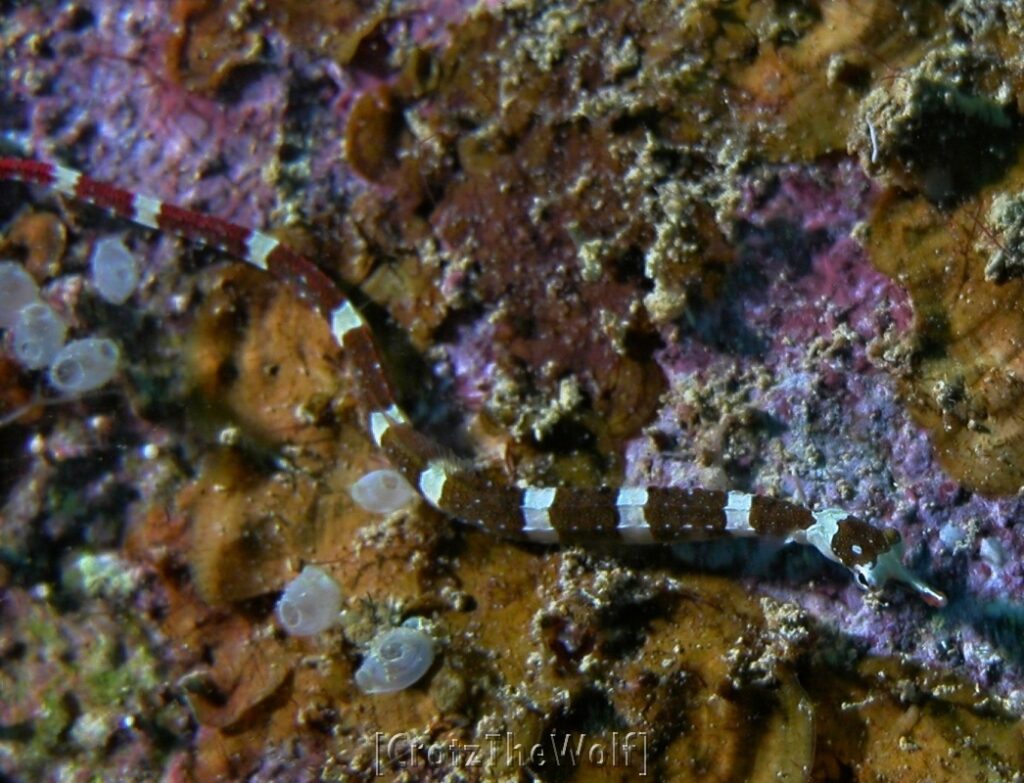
(397, 657)
(37, 333)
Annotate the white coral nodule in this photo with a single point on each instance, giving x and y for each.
(397, 658)
(84, 365)
(383, 491)
(310, 603)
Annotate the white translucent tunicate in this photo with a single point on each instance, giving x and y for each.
(37, 335)
(951, 535)
(17, 289)
(310, 603)
(383, 491)
(84, 365)
(397, 658)
(114, 270)
(992, 552)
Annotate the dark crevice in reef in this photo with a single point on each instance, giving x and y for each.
(958, 143)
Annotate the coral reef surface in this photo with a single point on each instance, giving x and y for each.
(752, 245)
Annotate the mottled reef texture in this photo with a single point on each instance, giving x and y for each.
(764, 246)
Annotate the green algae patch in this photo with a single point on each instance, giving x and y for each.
(84, 676)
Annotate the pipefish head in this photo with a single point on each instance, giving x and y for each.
(886, 565)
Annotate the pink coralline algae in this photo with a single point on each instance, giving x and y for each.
(785, 389)
(604, 284)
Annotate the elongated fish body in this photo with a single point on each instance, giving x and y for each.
(548, 515)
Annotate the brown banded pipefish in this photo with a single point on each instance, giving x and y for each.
(549, 515)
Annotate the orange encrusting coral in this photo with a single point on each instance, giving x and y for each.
(215, 42)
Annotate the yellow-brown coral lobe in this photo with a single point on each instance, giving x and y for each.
(243, 527)
(42, 236)
(215, 41)
(373, 128)
(247, 369)
(964, 382)
(941, 131)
